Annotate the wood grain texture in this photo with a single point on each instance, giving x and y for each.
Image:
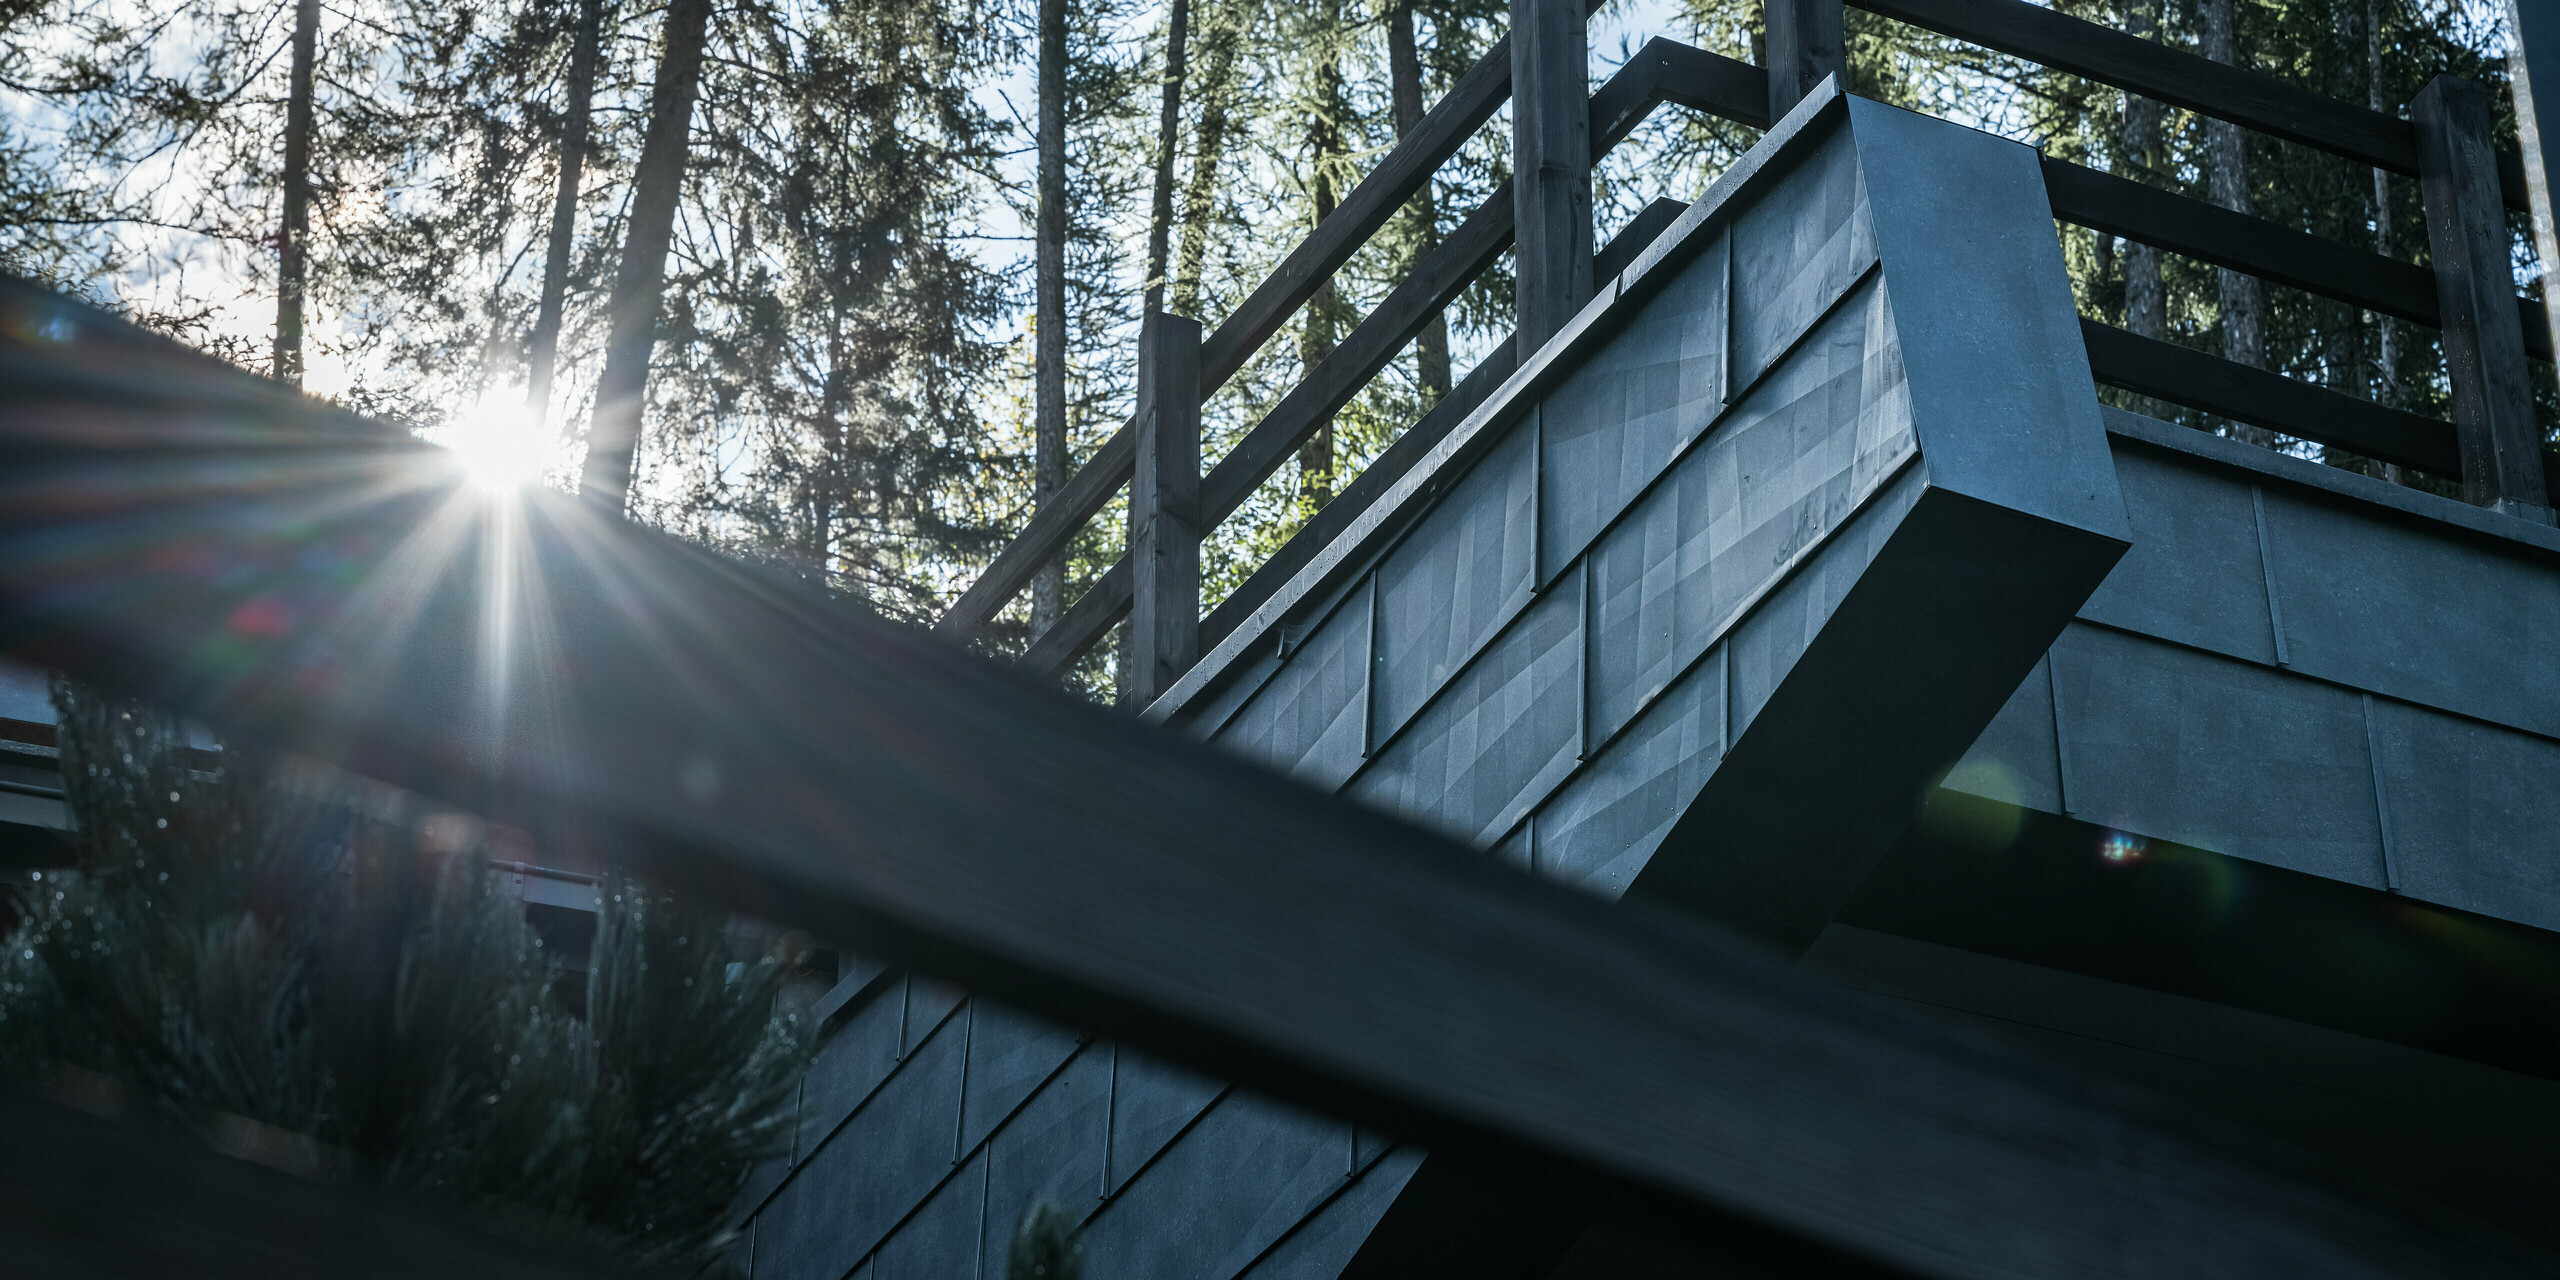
(2475, 282)
(2207, 233)
(841, 773)
(2181, 375)
(2180, 79)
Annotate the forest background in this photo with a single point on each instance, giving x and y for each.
(846, 377)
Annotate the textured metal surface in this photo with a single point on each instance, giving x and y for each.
(867, 1176)
(1239, 1179)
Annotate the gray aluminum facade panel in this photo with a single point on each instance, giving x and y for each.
(1612, 425)
(1797, 249)
(2388, 604)
(941, 1241)
(2195, 574)
(866, 1177)
(1310, 718)
(1600, 828)
(1152, 1102)
(1324, 1244)
(2474, 812)
(1778, 475)
(1051, 1150)
(2222, 755)
(1011, 1054)
(2017, 760)
(1463, 572)
(1473, 760)
(1237, 1181)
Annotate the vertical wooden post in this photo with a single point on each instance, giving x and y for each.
(2534, 72)
(2475, 289)
(1551, 165)
(1804, 42)
(1164, 508)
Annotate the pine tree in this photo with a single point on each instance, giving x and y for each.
(258, 951)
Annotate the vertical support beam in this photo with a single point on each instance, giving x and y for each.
(2534, 72)
(2475, 289)
(1551, 165)
(1804, 42)
(1164, 509)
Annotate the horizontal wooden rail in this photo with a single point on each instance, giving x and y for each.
(848, 776)
(1414, 444)
(2261, 398)
(2209, 233)
(1663, 71)
(1454, 119)
(2181, 79)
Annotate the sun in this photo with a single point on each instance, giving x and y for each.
(499, 444)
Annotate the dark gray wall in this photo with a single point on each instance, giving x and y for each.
(2308, 668)
(930, 1122)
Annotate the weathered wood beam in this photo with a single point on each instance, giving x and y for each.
(1805, 45)
(1550, 165)
(2262, 398)
(2180, 79)
(82, 1197)
(2475, 298)
(1415, 157)
(1164, 508)
(2209, 233)
(834, 771)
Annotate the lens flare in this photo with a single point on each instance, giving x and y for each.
(499, 444)
(2123, 848)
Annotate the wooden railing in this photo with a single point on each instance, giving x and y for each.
(2493, 448)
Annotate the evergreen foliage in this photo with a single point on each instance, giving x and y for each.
(842, 374)
(258, 953)
(1046, 1246)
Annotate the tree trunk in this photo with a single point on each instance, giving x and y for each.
(1219, 37)
(1168, 135)
(613, 433)
(1324, 152)
(545, 354)
(1049, 300)
(2227, 157)
(2145, 304)
(2386, 356)
(1404, 75)
(292, 258)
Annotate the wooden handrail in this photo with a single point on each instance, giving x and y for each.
(2181, 79)
(2263, 398)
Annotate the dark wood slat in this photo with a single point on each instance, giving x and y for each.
(1381, 474)
(2208, 233)
(1666, 70)
(1436, 281)
(1633, 238)
(1083, 625)
(2148, 366)
(2180, 79)
(1550, 166)
(1164, 508)
(1806, 45)
(2475, 285)
(869, 783)
(1451, 121)
(1470, 103)
(1086, 493)
(1701, 81)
